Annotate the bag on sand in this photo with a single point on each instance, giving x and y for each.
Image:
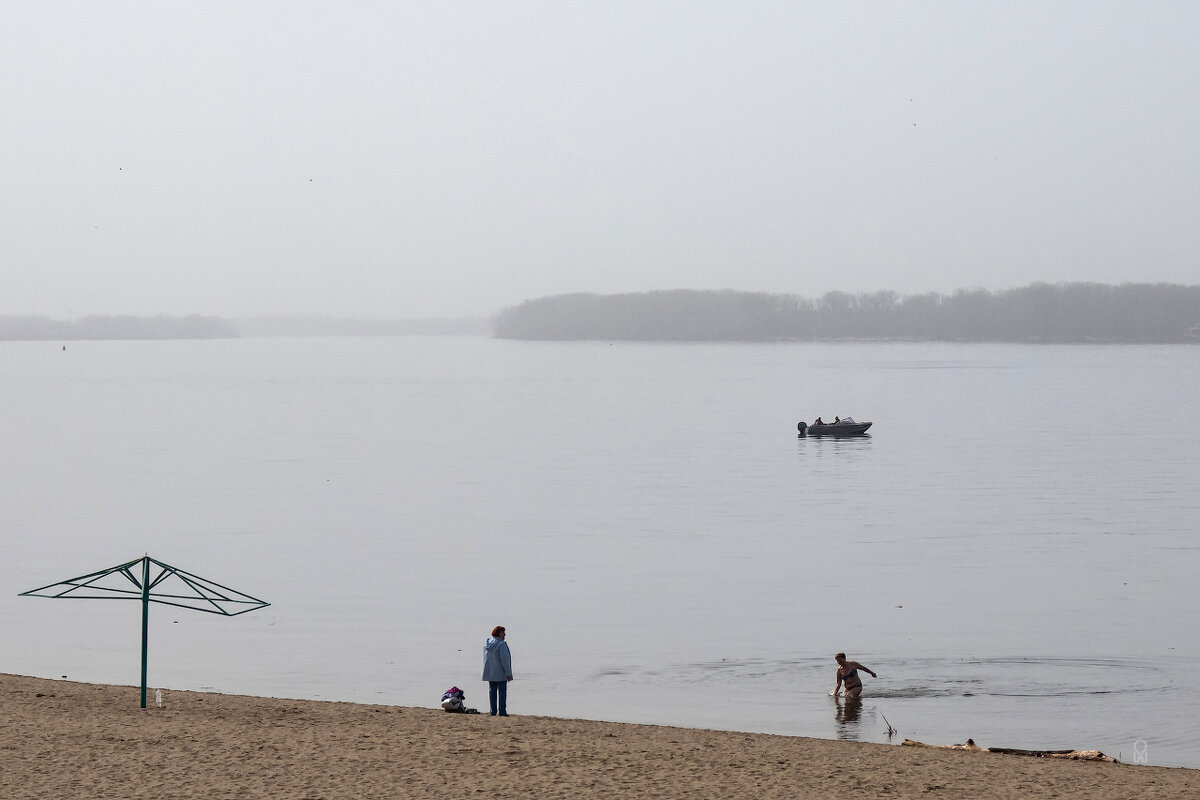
(454, 700)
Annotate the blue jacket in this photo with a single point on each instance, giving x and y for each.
(497, 662)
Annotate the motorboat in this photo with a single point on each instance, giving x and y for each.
(842, 427)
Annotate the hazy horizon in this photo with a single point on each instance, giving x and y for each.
(415, 161)
(301, 317)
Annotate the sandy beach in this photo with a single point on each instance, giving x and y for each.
(62, 739)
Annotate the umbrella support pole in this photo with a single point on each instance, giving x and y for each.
(145, 621)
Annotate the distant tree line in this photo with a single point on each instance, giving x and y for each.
(1040, 312)
(114, 327)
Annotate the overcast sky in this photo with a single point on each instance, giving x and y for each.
(396, 159)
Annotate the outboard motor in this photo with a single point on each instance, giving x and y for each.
(802, 427)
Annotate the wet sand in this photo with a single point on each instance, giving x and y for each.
(60, 739)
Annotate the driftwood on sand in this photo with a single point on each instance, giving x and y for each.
(1073, 755)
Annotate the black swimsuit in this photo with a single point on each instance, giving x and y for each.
(852, 674)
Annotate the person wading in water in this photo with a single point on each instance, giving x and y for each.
(847, 676)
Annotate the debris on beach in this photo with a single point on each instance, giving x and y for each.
(1073, 755)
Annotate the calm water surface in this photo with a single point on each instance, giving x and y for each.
(1013, 549)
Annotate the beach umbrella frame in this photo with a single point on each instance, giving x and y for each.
(142, 579)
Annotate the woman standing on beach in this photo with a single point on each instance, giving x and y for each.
(847, 675)
(497, 671)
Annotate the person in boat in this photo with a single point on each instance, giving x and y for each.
(847, 677)
(818, 422)
(836, 420)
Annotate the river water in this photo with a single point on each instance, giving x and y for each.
(1013, 549)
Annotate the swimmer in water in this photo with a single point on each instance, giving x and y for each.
(847, 676)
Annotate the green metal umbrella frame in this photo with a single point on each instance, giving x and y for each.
(136, 580)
